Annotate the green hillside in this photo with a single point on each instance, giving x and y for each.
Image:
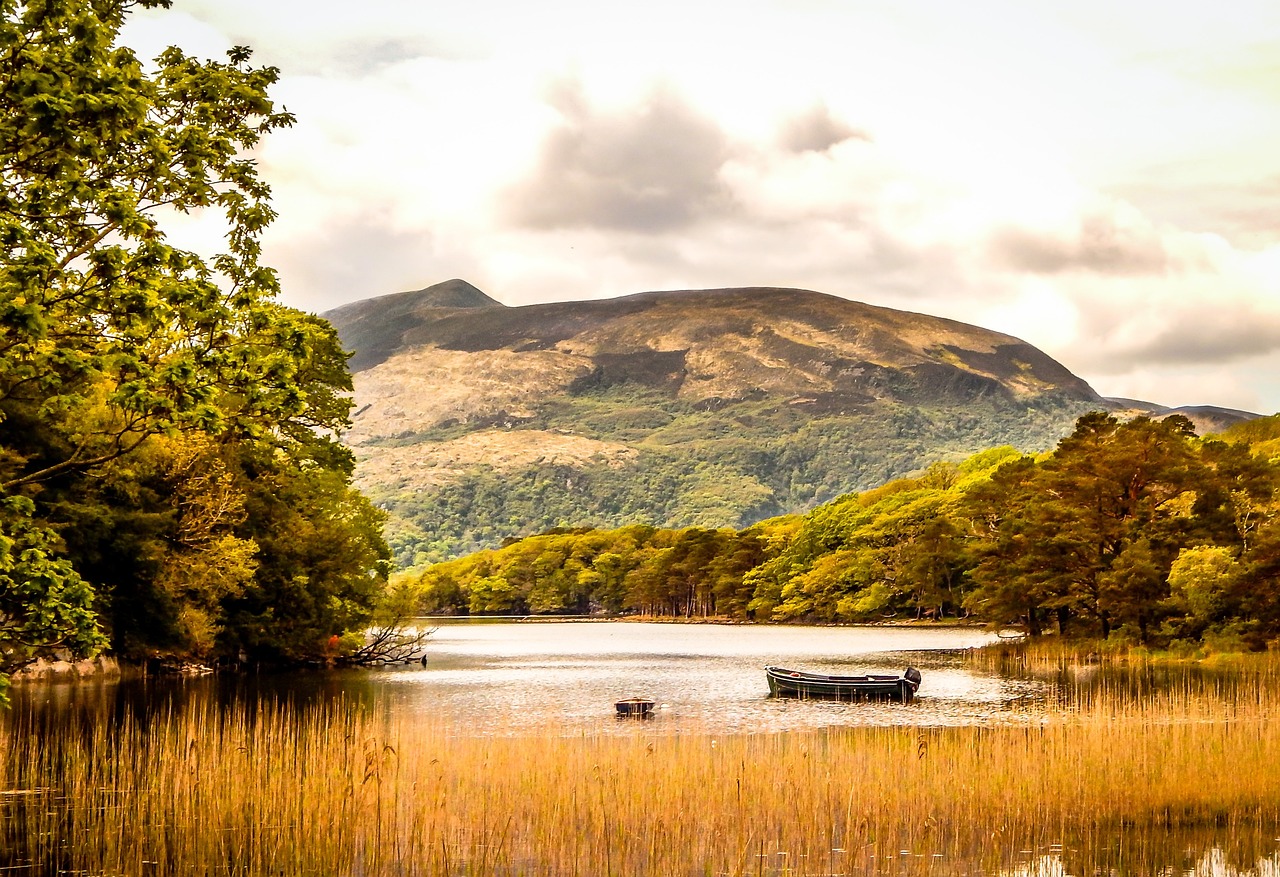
(691, 468)
(477, 422)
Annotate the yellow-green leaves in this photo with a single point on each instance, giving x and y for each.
(44, 604)
(91, 148)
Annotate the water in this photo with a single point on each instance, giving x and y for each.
(494, 677)
(703, 676)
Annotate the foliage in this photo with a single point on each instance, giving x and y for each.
(322, 563)
(890, 551)
(43, 602)
(161, 413)
(694, 572)
(1096, 534)
(110, 334)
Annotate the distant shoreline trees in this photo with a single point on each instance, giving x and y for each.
(1137, 529)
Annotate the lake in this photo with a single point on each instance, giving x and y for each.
(493, 677)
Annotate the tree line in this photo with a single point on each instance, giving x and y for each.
(170, 478)
(1135, 529)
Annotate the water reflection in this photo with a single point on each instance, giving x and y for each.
(704, 677)
(498, 677)
(1193, 861)
(1214, 864)
(1172, 854)
(492, 678)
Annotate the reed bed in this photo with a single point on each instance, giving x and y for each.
(1052, 653)
(337, 791)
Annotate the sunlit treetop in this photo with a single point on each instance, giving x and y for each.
(105, 327)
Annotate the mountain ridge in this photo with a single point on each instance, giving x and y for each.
(365, 322)
(478, 421)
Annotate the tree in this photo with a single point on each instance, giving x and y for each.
(321, 561)
(156, 532)
(43, 602)
(1011, 579)
(109, 333)
(111, 337)
(1088, 535)
(1201, 581)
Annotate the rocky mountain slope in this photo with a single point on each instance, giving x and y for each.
(477, 422)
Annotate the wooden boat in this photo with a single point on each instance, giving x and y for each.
(799, 683)
(638, 707)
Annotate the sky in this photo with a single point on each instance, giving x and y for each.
(1099, 179)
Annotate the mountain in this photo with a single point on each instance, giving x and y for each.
(374, 328)
(478, 422)
(1208, 419)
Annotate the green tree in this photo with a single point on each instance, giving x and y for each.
(321, 561)
(1088, 535)
(108, 332)
(1202, 583)
(43, 601)
(111, 337)
(494, 595)
(1013, 579)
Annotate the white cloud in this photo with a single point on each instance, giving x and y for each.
(650, 168)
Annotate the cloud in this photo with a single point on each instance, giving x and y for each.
(1205, 329)
(648, 168)
(1098, 242)
(1170, 338)
(331, 264)
(816, 131)
(1178, 345)
(365, 55)
(305, 38)
(1246, 386)
(1214, 335)
(1244, 212)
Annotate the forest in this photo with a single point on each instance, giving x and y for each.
(1134, 530)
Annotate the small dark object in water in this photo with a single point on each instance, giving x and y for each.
(800, 683)
(634, 706)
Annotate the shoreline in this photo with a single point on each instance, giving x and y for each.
(928, 624)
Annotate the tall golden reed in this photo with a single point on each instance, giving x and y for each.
(338, 791)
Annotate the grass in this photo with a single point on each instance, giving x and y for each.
(337, 791)
(1050, 653)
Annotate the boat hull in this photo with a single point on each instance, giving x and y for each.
(819, 686)
(634, 707)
